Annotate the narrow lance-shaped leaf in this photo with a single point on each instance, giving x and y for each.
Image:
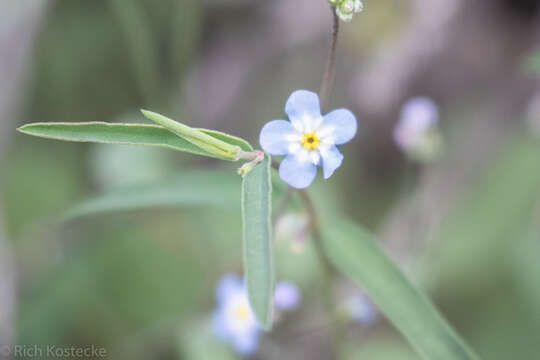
(195, 136)
(356, 253)
(128, 134)
(257, 238)
(210, 188)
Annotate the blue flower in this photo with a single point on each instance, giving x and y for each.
(308, 140)
(286, 296)
(361, 310)
(417, 116)
(234, 321)
(417, 133)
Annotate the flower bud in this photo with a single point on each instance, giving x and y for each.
(347, 8)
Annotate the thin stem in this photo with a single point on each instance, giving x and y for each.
(329, 72)
(328, 269)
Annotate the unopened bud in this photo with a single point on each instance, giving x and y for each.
(347, 8)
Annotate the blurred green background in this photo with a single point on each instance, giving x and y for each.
(140, 283)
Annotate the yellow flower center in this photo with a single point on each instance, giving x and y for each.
(310, 140)
(241, 312)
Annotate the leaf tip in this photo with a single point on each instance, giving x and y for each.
(146, 113)
(23, 129)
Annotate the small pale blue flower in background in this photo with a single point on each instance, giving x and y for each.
(417, 116)
(416, 132)
(309, 139)
(234, 321)
(287, 296)
(361, 310)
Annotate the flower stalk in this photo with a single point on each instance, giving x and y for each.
(329, 72)
(255, 156)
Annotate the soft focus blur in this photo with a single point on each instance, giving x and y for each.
(140, 284)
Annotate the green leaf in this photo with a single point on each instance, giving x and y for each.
(355, 252)
(479, 232)
(127, 134)
(195, 136)
(257, 234)
(202, 188)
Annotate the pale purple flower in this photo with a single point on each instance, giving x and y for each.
(361, 310)
(287, 296)
(418, 115)
(309, 139)
(417, 133)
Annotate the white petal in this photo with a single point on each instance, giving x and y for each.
(315, 157)
(303, 155)
(294, 148)
(294, 136)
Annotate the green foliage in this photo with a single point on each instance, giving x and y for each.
(356, 253)
(128, 134)
(198, 342)
(257, 235)
(486, 219)
(219, 148)
(103, 287)
(211, 188)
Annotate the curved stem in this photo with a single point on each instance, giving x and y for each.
(329, 72)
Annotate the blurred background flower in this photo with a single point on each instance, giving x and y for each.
(287, 296)
(234, 321)
(417, 132)
(360, 309)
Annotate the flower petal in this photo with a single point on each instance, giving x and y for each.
(418, 114)
(342, 122)
(302, 104)
(286, 296)
(296, 173)
(273, 137)
(227, 285)
(331, 160)
(246, 344)
(220, 326)
(361, 309)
